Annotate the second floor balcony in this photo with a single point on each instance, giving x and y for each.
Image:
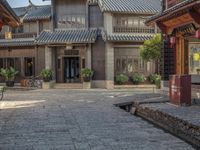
(122, 29)
(20, 35)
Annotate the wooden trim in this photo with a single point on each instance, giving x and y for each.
(194, 15)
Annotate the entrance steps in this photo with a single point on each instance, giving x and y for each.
(68, 86)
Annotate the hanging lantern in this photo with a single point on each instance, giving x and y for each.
(173, 40)
(198, 34)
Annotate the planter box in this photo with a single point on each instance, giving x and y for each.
(86, 85)
(48, 85)
(24, 82)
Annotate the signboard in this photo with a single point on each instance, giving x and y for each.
(8, 35)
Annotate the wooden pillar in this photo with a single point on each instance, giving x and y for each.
(182, 64)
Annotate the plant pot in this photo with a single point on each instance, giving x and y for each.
(23, 83)
(48, 85)
(10, 83)
(46, 80)
(86, 79)
(86, 85)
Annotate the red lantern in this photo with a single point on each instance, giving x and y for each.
(198, 34)
(173, 40)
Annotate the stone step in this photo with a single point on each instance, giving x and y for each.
(144, 86)
(68, 86)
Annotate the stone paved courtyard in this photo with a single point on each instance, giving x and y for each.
(76, 120)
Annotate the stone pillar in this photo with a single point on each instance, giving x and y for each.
(48, 58)
(89, 57)
(109, 66)
(108, 23)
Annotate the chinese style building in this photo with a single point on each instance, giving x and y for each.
(180, 22)
(104, 35)
(7, 15)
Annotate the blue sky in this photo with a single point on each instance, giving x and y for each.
(19, 3)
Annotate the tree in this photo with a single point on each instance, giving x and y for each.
(151, 50)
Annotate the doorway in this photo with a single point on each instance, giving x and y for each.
(71, 70)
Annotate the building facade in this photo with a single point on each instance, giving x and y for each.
(104, 35)
(180, 22)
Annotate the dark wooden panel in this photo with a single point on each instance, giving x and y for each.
(98, 59)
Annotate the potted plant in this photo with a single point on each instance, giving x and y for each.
(87, 76)
(47, 75)
(9, 75)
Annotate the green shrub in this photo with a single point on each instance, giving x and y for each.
(138, 78)
(47, 75)
(158, 82)
(9, 73)
(87, 74)
(153, 77)
(122, 79)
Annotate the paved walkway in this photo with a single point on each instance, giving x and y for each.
(76, 120)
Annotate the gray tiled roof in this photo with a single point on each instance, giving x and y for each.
(131, 6)
(127, 37)
(68, 36)
(41, 12)
(20, 11)
(174, 8)
(17, 42)
(31, 12)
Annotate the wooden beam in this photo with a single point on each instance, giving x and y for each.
(195, 15)
(162, 27)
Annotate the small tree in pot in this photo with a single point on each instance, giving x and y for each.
(9, 74)
(47, 75)
(87, 76)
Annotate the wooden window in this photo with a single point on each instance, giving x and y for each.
(130, 65)
(71, 21)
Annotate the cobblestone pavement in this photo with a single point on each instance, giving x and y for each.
(76, 120)
(190, 114)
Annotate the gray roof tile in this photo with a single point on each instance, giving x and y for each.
(126, 37)
(31, 12)
(131, 6)
(17, 42)
(68, 36)
(41, 12)
(172, 9)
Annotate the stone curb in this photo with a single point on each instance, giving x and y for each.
(181, 128)
(176, 126)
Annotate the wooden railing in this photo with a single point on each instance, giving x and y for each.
(171, 3)
(117, 29)
(21, 35)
